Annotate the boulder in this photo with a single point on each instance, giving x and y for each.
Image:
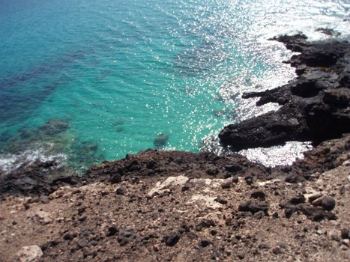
(29, 254)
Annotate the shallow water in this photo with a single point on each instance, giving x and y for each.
(120, 74)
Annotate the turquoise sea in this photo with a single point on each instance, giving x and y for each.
(85, 81)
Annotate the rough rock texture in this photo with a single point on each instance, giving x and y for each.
(37, 178)
(314, 107)
(173, 206)
(43, 178)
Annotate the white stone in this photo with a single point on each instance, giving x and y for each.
(207, 183)
(346, 163)
(29, 253)
(206, 201)
(170, 182)
(268, 182)
(43, 217)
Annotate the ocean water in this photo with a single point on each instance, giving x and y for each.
(84, 81)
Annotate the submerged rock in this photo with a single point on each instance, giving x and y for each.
(85, 153)
(54, 127)
(160, 140)
(328, 31)
(119, 125)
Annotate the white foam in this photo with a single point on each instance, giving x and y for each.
(11, 162)
(269, 156)
(277, 155)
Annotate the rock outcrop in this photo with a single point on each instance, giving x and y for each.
(314, 107)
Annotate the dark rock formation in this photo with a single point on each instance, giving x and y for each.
(314, 106)
(328, 31)
(253, 206)
(171, 239)
(318, 211)
(54, 126)
(38, 178)
(326, 202)
(45, 177)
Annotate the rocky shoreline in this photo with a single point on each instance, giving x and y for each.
(314, 106)
(178, 206)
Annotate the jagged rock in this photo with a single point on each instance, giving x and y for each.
(233, 168)
(312, 212)
(112, 230)
(264, 131)
(314, 197)
(120, 191)
(116, 178)
(204, 243)
(326, 202)
(316, 214)
(299, 199)
(205, 223)
(69, 236)
(339, 97)
(294, 178)
(254, 206)
(221, 200)
(171, 239)
(192, 216)
(315, 106)
(345, 233)
(249, 180)
(229, 182)
(258, 195)
(212, 171)
(328, 31)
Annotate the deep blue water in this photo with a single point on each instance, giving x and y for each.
(95, 80)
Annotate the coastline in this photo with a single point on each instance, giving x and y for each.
(185, 206)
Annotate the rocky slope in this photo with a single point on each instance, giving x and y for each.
(173, 206)
(177, 206)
